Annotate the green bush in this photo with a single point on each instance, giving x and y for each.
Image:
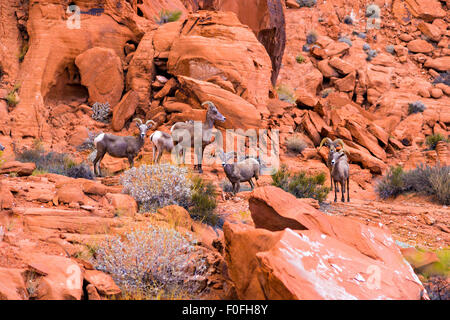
(433, 140)
(23, 51)
(203, 201)
(433, 181)
(300, 59)
(300, 184)
(166, 16)
(307, 3)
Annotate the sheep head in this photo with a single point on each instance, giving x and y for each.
(143, 127)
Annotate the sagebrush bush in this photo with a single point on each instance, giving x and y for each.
(311, 37)
(54, 162)
(295, 144)
(203, 201)
(166, 16)
(157, 186)
(23, 51)
(416, 107)
(434, 139)
(427, 180)
(444, 78)
(88, 143)
(325, 92)
(390, 49)
(371, 54)
(286, 94)
(307, 3)
(348, 20)
(155, 262)
(300, 184)
(345, 40)
(101, 112)
(366, 47)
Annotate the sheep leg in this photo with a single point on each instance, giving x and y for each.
(131, 160)
(251, 184)
(158, 158)
(331, 181)
(238, 187)
(98, 159)
(343, 190)
(348, 189)
(154, 154)
(335, 192)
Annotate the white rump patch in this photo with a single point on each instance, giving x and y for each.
(98, 139)
(155, 135)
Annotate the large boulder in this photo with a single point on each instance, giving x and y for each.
(101, 73)
(238, 111)
(323, 257)
(218, 45)
(124, 110)
(267, 20)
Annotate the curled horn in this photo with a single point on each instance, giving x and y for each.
(339, 141)
(138, 120)
(325, 140)
(210, 103)
(150, 121)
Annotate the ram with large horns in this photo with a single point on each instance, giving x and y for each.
(336, 145)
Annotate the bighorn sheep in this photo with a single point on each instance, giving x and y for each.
(198, 140)
(161, 141)
(340, 172)
(120, 147)
(242, 171)
(333, 145)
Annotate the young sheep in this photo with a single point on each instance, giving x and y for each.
(333, 145)
(242, 171)
(161, 141)
(120, 147)
(340, 171)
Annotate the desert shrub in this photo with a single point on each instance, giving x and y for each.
(23, 51)
(348, 20)
(433, 181)
(392, 184)
(390, 48)
(371, 54)
(101, 112)
(81, 170)
(12, 97)
(311, 37)
(285, 93)
(325, 92)
(361, 35)
(416, 107)
(366, 47)
(306, 3)
(434, 139)
(166, 16)
(203, 201)
(345, 40)
(295, 144)
(300, 184)
(157, 186)
(444, 78)
(437, 288)
(54, 162)
(151, 263)
(306, 48)
(300, 59)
